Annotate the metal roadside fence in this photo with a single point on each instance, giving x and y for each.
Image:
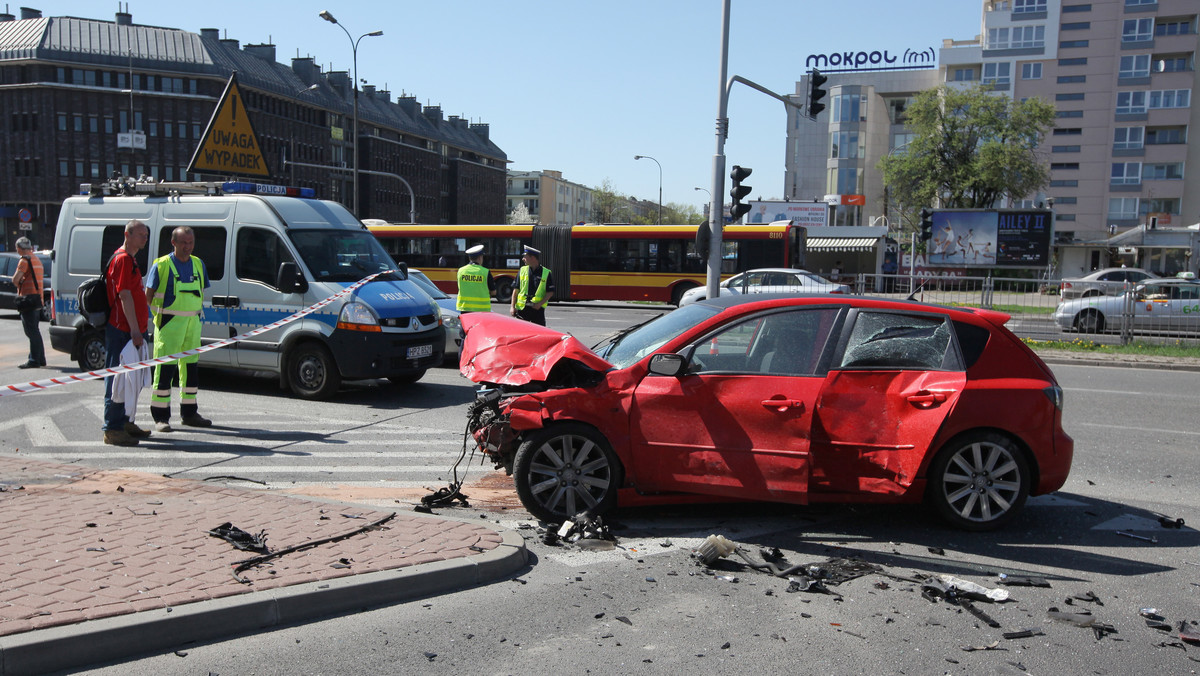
(1170, 315)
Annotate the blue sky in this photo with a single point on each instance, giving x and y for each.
(582, 87)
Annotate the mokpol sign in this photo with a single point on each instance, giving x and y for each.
(875, 60)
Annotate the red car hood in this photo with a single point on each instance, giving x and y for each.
(509, 351)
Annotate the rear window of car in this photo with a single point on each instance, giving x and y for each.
(899, 341)
(971, 341)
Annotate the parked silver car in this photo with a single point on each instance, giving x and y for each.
(768, 280)
(1106, 282)
(447, 306)
(1168, 305)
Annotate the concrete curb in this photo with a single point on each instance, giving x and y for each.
(1129, 364)
(116, 638)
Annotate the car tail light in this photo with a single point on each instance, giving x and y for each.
(1055, 394)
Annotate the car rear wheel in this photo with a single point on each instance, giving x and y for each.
(92, 352)
(1089, 321)
(979, 482)
(312, 372)
(677, 293)
(564, 470)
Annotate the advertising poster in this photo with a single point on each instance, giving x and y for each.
(808, 214)
(987, 238)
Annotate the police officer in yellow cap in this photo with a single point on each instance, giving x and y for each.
(535, 288)
(475, 283)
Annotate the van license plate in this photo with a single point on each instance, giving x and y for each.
(419, 351)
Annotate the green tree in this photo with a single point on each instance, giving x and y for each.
(605, 202)
(971, 149)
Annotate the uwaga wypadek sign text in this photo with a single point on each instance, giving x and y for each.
(847, 62)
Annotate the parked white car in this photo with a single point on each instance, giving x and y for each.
(1168, 305)
(1106, 282)
(768, 280)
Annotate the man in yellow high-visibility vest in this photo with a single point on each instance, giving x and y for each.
(475, 283)
(535, 288)
(175, 292)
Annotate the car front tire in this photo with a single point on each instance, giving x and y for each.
(1089, 321)
(979, 482)
(566, 469)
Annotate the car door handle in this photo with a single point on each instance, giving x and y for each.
(783, 404)
(927, 398)
(225, 301)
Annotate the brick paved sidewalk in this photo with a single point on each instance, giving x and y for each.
(78, 545)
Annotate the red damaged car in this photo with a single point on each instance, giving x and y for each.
(797, 399)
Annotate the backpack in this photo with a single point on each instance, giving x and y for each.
(93, 298)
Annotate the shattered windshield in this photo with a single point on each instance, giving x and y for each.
(626, 349)
(341, 255)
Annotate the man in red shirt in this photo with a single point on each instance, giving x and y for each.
(127, 321)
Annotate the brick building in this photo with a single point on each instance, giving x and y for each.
(70, 87)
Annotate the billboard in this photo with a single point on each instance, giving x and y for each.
(808, 214)
(1017, 238)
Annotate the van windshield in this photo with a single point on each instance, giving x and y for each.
(340, 255)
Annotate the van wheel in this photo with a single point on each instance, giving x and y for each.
(92, 353)
(312, 372)
(408, 378)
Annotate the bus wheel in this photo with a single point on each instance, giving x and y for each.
(312, 372)
(504, 289)
(680, 289)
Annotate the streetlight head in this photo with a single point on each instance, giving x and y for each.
(637, 157)
(327, 16)
(374, 34)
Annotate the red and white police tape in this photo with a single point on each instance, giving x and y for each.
(38, 385)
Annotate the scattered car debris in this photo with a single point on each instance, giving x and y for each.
(1135, 536)
(1150, 613)
(586, 531)
(994, 645)
(1188, 632)
(622, 618)
(219, 477)
(1023, 633)
(1023, 581)
(241, 539)
(937, 550)
(1082, 619)
(1158, 624)
(1089, 597)
(96, 549)
(966, 587)
(250, 563)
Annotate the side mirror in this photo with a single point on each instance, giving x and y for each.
(403, 270)
(289, 279)
(668, 364)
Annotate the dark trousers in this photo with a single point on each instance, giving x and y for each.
(529, 314)
(29, 322)
(114, 412)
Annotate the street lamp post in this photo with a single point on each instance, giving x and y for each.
(647, 157)
(354, 130)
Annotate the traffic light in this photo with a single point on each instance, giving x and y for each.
(737, 209)
(926, 224)
(816, 93)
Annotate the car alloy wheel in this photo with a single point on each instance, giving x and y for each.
(980, 481)
(1089, 321)
(564, 470)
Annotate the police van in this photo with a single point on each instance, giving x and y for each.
(270, 251)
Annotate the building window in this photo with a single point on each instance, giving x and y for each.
(94, 124)
(1031, 71)
(1126, 173)
(1067, 9)
(1017, 37)
(1170, 98)
(849, 108)
(1174, 27)
(1135, 3)
(844, 145)
(1067, 44)
(1078, 26)
(78, 123)
(845, 181)
(1134, 65)
(1137, 30)
(1166, 136)
(153, 130)
(1069, 113)
(63, 168)
(62, 122)
(1071, 79)
(1163, 172)
(1026, 6)
(964, 74)
(168, 130)
(1064, 166)
(1131, 103)
(1068, 131)
(1074, 96)
(108, 125)
(1065, 183)
(997, 73)
(1122, 208)
(1180, 63)
(1064, 149)
(79, 169)
(1064, 217)
(1079, 61)
(1067, 200)
(1166, 205)
(1127, 138)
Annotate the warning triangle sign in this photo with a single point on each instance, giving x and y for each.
(229, 145)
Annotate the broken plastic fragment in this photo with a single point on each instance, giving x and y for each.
(240, 538)
(714, 547)
(1188, 633)
(990, 646)
(1024, 633)
(1168, 522)
(968, 587)
(1023, 581)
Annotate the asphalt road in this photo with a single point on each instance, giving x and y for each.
(646, 606)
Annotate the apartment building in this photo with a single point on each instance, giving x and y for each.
(1121, 74)
(548, 197)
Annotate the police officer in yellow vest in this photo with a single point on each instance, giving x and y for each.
(475, 283)
(175, 292)
(532, 306)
